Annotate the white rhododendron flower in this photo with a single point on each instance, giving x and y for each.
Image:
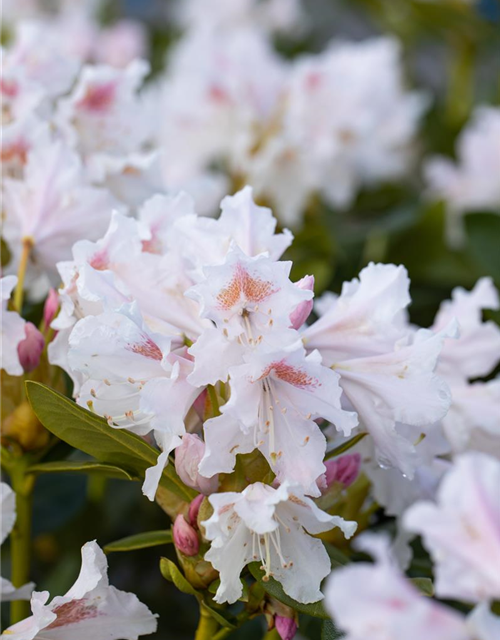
(473, 419)
(8, 510)
(386, 371)
(12, 328)
(461, 529)
(271, 526)
(376, 601)
(348, 122)
(471, 184)
(54, 206)
(275, 398)
(91, 608)
(269, 15)
(213, 104)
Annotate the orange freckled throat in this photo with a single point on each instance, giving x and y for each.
(244, 287)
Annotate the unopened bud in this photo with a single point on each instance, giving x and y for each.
(185, 537)
(30, 349)
(187, 459)
(343, 470)
(194, 509)
(23, 427)
(50, 308)
(286, 627)
(300, 314)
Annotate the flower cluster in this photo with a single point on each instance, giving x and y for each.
(286, 425)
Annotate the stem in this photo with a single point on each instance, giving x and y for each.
(271, 635)
(20, 541)
(19, 292)
(207, 626)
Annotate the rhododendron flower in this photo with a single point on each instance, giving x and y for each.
(399, 387)
(275, 398)
(40, 60)
(461, 530)
(347, 121)
(13, 330)
(386, 370)
(269, 15)
(119, 356)
(376, 601)
(271, 526)
(248, 295)
(8, 510)
(53, 206)
(366, 319)
(121, 43)
(91, 608)
(472, 421)
(214, 104)
(103, 113)
(470, 184)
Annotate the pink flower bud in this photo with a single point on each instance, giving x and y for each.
(30, 349)
(194, 508)
(187, 460)
(185, 537)
(50, 308)
(300, 314)
(286, 627)
(343, 470)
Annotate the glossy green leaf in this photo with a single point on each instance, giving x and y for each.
(88, 467)
(273, 588)
(92, 435)
(140, 541)
(329, 631)
(345, 446)
(424, 585)
(171, 572)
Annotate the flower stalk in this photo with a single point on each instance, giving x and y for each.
(207, 626)
(20, 539)
(21, 274)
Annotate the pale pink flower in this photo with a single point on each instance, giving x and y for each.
(91, 608)
(461, 530)
(273, 526)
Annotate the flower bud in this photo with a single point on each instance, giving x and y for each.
(187, 460)
(22, 426)
(194, 509)
(185, 537)
(343, 470)
(30, 349)
(300, 314)
(286, 627)
(50, 308)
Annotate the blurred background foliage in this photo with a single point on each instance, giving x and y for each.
(452, 51)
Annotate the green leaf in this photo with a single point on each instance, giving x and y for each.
(92, 435)
(140, 541)
(329, 631)
(273, 588)
(424, 585)
(88, 466)
(170, 572)
(345, 446)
